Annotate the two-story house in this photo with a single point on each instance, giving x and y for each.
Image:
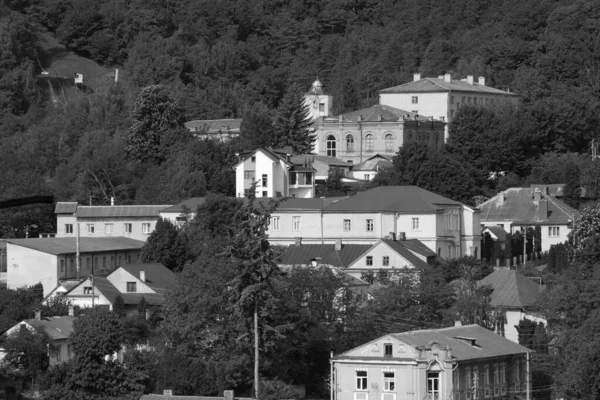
(448, 228)
(517, 209)
(457, 363)
(51, 260)
(136, 222)
(443, 96)
(274, 173)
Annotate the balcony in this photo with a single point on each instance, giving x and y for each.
(301, 179)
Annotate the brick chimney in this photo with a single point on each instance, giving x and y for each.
(402, 236)
(470, 79)
(537, 195)
(338, 245)
(298, 241)
(448, 78)
(481, 80)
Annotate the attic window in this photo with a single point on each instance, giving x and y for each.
(253, 159)
(468, 340)
(388, 349)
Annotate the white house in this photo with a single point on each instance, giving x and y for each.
(371, 167)
(443, 96)
(274, 173)
(516, 209)
(136, 222)
(448, 228)
(182, 212)
(51, 260)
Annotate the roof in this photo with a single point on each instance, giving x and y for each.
(119, 211)
(175, 397)
(188, 205)
(393, 199)
(511, 289)
(303, 254)
(158, 277)
(273, 154)
(398, 247)
(303, 159)
(56, 327)
(108, 290)
(58, 246)
(380, 112)
(518, 205)
(65, 207)
(345, 276)
(214, 125)
(497, 231)
(487, 343)
(294, 203)
(417, 246)
(373, 164)
(553, 189)
(432, 85)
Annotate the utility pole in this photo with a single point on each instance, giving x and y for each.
(256, 360)
(93, 291)
(528, 377)
(77, 262)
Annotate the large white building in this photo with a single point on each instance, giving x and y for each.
(447, 227)
(443, 96)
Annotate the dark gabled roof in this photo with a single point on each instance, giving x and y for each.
(56, 327)
(303, 254)
(381, 112)
(498, 231)
(119, 211)
(511, 289)
(293, 203)
(518, 205)
(303, 159)
(415, 245)
(393, 199)
(487, 343)
(65, 207)
(344, 275)
(190, 204)
(58, 246)
(399, 248)
(373, 164)
(158, 277)
(214, 125)
(432, 85)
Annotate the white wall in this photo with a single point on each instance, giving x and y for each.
(27, 267)
(513, 317)
(118, 227)
(120, 277)
(61, 221)
(396, 261)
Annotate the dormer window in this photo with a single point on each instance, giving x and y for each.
(388, 349)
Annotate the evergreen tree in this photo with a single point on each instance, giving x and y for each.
(141, 308)
(165, 246)
(292, 123)
(119, 307)
(572, 190)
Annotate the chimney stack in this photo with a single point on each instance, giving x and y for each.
(338, 245)
(457, 323)
(393, 236)
(537, 195)
(112, 201)
(543, 209)
(481, 80)
(448, 78)
(143, 276)
(298, 241)
(470, 79)
(402, 236)
(417, 77)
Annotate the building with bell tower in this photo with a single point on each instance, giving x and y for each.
(318, 103)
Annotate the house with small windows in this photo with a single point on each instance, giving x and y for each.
(135, 222)
(448, 228)
(516, 209)
(183, 212)
(457, 363)
(274, 173)
(131, 282)
(222, 130)
(371, 167)
(50, 261)
(442, 97)
(356, 136)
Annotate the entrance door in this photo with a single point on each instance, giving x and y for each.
(433, 385)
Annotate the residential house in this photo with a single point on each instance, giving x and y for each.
(317, 101)
(182, 212)
(49, 261)
(64, 285)
(448, 228)
(58, 329)
(497, 233)
(274, 173)
(443, 96)
(136, 222)
(516, 209)
(322, 165)
(368, 169)
(131, 282)
(169, 395)
(458, 363)
(216, 129)
(516, 294)
(381, 129)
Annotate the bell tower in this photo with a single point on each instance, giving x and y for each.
(318, 103)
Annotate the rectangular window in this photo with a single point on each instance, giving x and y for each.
(369, 261)
(253, 159)
(386, 261)
(389, 381)
(68, 228)
(388, 349)
(90, 228)
(321, 107)
(347, 225)
(503, 378)
(433, 385)
(415, 224)
(451, 99)
(131, 287)
(127, 228)
(414, 100)
(275, 223)
(265, 193)
(87, 290)
(296, 224)
(553, 231)
(249, 175)
(361, 380)
(62, 265)
(264, 180)
(88, 263)
(108, 229)
(103, 262)
(369, 225)
(468, 381)
(146, 228)
(367, 177)
(486, 380)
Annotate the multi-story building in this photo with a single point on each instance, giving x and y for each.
(517, 209)
(274, 173)
(317, 101)
(448, 228)
(458, 363)
(381, 129)
(135, 222)
(443, 96)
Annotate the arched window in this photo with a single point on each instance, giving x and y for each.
(369, 142)
(349, 143)
(389, 142)
(331, 146)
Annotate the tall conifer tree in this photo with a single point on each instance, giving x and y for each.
(292, 123)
